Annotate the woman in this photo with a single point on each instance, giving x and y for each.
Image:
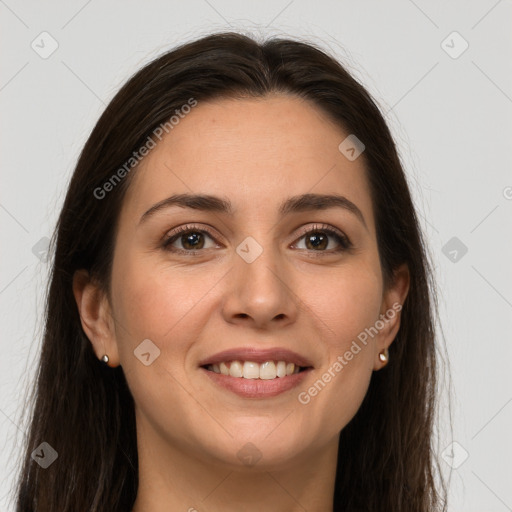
(241, 310)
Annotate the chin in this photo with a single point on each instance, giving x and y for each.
(257, 448)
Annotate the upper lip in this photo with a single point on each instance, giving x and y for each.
(257, 356)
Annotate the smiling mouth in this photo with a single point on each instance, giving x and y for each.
(268, 370)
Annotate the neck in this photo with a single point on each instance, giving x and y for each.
(174, 478)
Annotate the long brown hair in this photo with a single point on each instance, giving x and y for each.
(84, 409)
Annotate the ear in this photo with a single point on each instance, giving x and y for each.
(96, 317)
(393, 299)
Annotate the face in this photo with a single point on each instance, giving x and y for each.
(202, 279)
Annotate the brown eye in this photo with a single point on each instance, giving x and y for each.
(317, 240)
(188, 240)
(325, 239)
(192, 240)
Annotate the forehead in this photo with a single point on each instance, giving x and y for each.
(256, 152)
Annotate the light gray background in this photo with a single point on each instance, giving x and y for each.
(451, 118)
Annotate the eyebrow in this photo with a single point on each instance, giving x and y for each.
(295, 204)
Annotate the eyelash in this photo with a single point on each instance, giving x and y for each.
(343, 240)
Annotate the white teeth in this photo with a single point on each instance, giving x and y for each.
(281, 369)
(235, 369)
(268, 370)
(250, 370)
(224, 369)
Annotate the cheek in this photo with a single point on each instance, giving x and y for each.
(346, 301)
(170, 307)
(161, 303)
(345, 305)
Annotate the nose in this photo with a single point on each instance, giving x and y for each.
(260, 294)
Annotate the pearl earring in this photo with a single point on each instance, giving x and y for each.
(384, 356)
(105, 359)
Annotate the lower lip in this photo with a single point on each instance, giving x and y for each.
(257, 388)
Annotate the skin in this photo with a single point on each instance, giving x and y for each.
(256, 153)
